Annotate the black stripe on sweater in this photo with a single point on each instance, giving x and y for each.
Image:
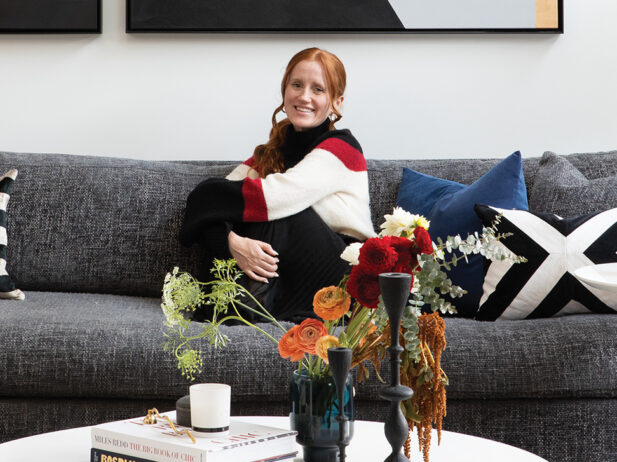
(213, 200)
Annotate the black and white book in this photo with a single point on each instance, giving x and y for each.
(246, 442)
(101, 455)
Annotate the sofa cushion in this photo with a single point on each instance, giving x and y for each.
(449, 207)
(562, 189)
(110, 225)
(7, 286)
(554, 247)
(65, 347)
(130, 252)
(100, 224)
(111, 346)
(539, 358)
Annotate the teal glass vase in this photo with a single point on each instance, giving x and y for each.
(314, 408)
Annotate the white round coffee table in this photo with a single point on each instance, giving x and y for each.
(368, 444)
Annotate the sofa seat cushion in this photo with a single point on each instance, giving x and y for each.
(566, 357)
(61, 345)
(110, 346)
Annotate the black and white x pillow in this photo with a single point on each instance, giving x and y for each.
(7, 287)
(545, 286)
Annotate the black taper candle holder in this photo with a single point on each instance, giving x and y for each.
(395, 293)
(339, 359)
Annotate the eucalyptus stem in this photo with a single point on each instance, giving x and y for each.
(455, 259)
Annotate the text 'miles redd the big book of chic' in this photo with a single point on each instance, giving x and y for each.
(246, 442)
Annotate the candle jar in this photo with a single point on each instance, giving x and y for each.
(210, 408)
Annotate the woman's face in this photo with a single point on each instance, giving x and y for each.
(306, 99)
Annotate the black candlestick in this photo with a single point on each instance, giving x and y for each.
(395, 293)
(339, 359)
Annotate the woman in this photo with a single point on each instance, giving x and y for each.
(287, 213)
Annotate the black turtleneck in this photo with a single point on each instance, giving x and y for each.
(299, 144)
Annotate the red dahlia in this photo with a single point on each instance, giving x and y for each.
(406, 254)
(376, 256)
(364, 287)
(423, 240)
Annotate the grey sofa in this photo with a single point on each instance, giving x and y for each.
(90, 240)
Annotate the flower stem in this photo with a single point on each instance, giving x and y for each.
(262, 311)
(248, 323)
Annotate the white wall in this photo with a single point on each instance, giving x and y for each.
(209, 96)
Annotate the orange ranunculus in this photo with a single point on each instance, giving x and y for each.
(322, 345)
(330, 303)
(309, 331)
(288, 345)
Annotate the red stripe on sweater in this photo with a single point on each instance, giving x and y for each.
(351, 157)
(250, 161)
(255, 208)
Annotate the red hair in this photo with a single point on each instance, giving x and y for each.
(268, 157)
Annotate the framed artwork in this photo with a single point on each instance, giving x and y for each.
(339, 16)
(50, 16)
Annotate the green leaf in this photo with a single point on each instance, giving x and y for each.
(410, 412)
(425, 375)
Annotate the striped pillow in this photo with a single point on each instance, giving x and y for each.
(7, 287)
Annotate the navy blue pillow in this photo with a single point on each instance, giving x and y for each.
(450, 208)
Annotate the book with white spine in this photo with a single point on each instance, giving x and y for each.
(246, 442)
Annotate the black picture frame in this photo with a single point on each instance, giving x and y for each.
(294, 16)
(50, 16)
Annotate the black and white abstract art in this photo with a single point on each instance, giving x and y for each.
(345, 16)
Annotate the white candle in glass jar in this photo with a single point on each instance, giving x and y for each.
(210, 408)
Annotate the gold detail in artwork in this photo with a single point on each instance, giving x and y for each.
(547, 16)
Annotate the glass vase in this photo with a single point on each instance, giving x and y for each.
(314, 408)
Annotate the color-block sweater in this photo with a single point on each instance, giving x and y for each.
(331, 178)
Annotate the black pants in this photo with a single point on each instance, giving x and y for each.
(309, 259)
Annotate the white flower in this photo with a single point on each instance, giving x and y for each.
(172, 314)
(169, 309)
(402, 223)
(352, 253)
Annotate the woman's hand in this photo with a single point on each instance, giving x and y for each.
(257, 259)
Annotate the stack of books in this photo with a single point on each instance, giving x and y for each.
(133, 441)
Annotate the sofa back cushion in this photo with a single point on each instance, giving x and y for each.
(99, 224)
(564, 190)
(110, 225)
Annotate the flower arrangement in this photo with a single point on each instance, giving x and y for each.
(351, 314)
